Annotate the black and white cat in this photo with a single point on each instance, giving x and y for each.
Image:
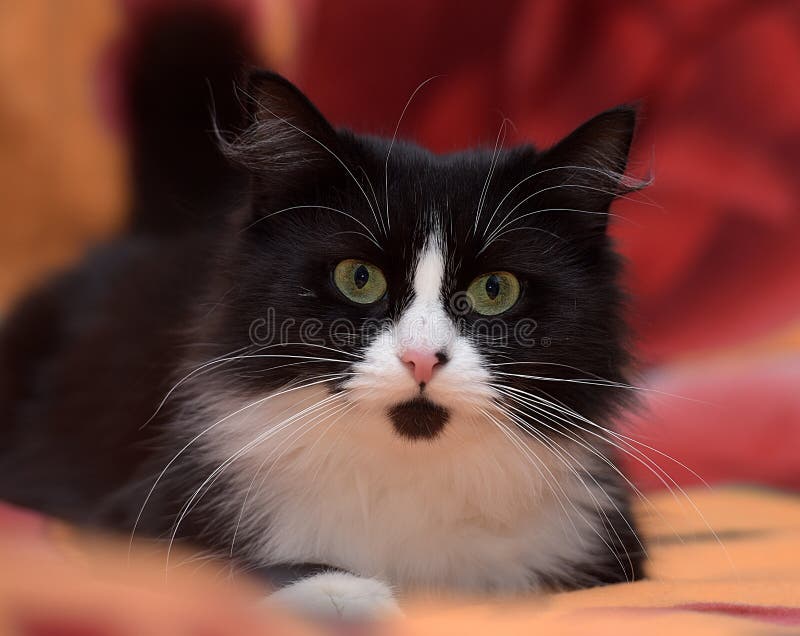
(373, 368)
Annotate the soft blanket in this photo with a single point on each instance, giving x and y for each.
(721, 562)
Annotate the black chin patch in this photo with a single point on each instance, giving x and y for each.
(418, 418)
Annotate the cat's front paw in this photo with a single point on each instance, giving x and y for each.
(338, 595)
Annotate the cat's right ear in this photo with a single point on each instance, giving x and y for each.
(284, 131)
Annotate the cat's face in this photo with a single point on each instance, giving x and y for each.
(424, 288)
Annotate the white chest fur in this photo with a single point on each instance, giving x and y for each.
(335, 485)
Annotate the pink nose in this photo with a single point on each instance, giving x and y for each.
(421, 363)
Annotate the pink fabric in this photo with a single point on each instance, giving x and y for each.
(20, 522)
(730, 420)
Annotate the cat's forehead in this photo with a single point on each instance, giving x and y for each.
(443, 194)
(404, 166)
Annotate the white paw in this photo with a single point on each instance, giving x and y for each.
(337, 595)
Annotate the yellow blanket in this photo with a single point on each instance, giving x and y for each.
(723, 562)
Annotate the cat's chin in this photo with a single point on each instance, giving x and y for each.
(418, 418)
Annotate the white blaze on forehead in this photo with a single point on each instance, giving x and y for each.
(429, 273)
(425, 324)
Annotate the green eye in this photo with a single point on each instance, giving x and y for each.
(493, 293)
(361, 282)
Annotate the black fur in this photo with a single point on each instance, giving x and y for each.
(418, 418)
(86, 360)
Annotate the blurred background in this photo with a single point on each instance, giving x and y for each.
(713, 245)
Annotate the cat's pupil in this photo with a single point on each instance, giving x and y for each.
(492, 286)
(361, 276)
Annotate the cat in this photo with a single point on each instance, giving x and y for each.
(358, 366)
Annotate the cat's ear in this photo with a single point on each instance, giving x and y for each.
(586, 170)
(284, 132)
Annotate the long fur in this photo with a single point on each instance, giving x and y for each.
(206, 380)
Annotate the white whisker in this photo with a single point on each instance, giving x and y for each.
(321, 145)
(615, 177)
(640, 457)
(536, 462)
(188, 506)
(573, 506)
(394, 138)
(530, 429)
(337, 408)
(497, 146)
(206, 430)
(371, 238)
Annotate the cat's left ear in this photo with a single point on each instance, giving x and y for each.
(586, 169)
(285, 133)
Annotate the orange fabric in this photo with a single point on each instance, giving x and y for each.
(61, 172)
(746, 580)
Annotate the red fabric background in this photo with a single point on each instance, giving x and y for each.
(720, 127)
(713, 244)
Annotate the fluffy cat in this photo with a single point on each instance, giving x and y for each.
(351, 363)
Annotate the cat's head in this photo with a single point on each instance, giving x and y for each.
(424, 289)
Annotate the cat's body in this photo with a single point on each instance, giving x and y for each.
(407, 439)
